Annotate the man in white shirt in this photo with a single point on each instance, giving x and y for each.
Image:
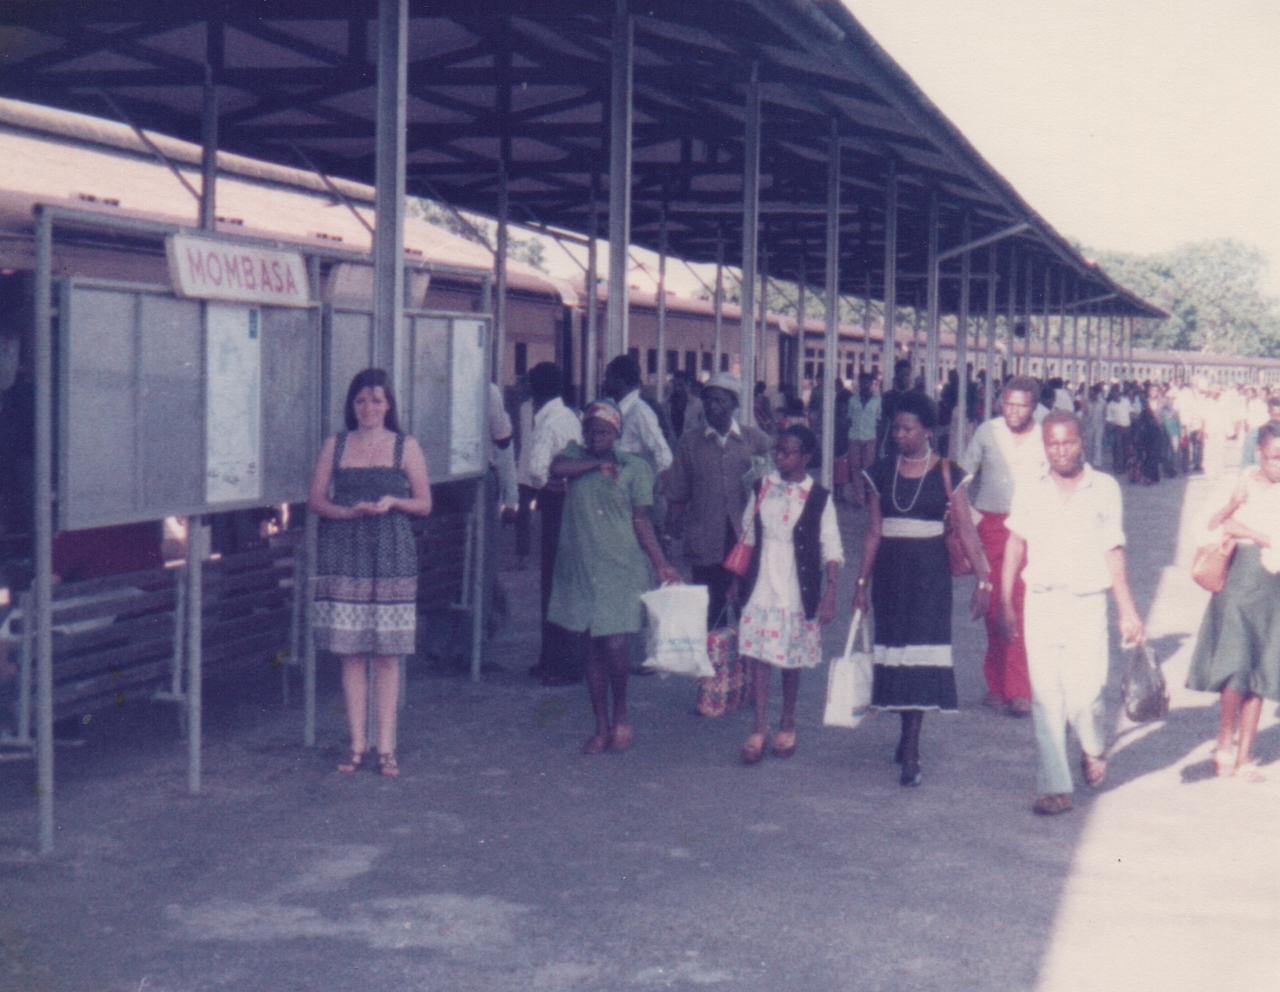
(1003, 450)
(1067, 526)
(555, 426)
(641, 434)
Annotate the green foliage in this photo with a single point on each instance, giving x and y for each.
(1213, 293)
(529, 251)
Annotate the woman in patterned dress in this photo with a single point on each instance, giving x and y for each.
(904, 558)
(367, 481)
(792, 523)
(607, 545)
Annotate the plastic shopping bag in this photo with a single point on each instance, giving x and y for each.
(730, 687)
(677, 640)
(849, 681)
(1146, 697)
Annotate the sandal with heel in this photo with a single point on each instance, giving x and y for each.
(387, 766)
(352, 765)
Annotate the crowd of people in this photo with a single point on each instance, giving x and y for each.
(1024, 505)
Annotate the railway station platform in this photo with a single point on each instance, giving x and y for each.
(502, 859)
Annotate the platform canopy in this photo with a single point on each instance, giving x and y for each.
(526, 84)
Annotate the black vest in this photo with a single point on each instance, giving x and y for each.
(807, 538)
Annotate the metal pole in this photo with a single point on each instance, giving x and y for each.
(1111, 346)
(388, 242)
(933, 326)
(310, 538)
(42, 514)
(888, 344)
(1044, 309)
(662, 303)
(619, 178)
(591, 373)
(762, 364)
(209, 150)
(718, 304)
(959, 416)
(797, 373)
(196, 554)
(1062, 324)
(1026, 310)
(833, 315)
(864, 351)
(750, 236)
(1011, 309)
(989, 393)
(500, 276)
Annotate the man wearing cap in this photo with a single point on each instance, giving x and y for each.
(709, 483)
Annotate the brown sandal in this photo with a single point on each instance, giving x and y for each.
(753, 750)
(1052, 805)
(1093, 769)
(387, 765)
(352, 765)
(596, 744)
(784, 743)
(620, 739)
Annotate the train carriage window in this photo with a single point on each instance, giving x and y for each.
(724, 361)
(522, 358)
(673, 361)
(691, 363)
(635, 355)
(706, 361)
(651, 361)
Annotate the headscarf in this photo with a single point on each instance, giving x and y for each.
(605, 410)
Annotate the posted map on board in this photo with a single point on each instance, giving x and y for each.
(233, 434)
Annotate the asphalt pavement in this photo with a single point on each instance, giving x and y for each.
(503, 859)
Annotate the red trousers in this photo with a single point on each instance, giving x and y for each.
(1005, 663)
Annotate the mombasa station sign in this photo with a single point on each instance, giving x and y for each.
(212, 269)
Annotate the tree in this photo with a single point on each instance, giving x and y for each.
(1213, 293)
(528, 251)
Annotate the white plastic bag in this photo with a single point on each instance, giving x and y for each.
(849, 681)
(677, 639)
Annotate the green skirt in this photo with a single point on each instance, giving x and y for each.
(1238, 646)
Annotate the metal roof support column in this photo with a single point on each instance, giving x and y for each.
(797, 373)
(500, 270)
(1062, 324)
(762, 348)
(864, 351)
(1026, 311)
(1088, 345)
(620, 104)
(42, 519)
(960, 415)
(1011, 308)
(750, 240)
(662, 303)
(1044, 358)
(388, 241)
(1132, 321)
(917, 328)
(887, 346)
(718, 304)
(989, 392)
(209, 152)
(933, 327)
(832, 298)
(1075, 347)
(1111, 346)
(591, 358)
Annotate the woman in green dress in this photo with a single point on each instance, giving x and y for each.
(607, 545)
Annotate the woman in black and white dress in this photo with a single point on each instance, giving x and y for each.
(907, 579)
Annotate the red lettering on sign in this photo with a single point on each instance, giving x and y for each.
(214, 264)
(289, 285)
(196, 263)
(246, 272)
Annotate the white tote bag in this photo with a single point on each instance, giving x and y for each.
(677, 624)
(849, 681)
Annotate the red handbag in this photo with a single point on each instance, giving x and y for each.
(957, 556)
(738, 560)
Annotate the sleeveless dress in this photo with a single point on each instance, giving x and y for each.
(911, 592)
(366, 596)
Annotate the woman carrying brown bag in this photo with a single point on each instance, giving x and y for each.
(1238, 648)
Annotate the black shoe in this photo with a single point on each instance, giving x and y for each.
(912, 776)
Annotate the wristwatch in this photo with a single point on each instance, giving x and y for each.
(985, 585)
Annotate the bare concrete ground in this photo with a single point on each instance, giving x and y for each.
(504, 860)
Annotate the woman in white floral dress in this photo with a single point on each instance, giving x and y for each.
(792, 524)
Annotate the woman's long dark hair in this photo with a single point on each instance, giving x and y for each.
(366, 380)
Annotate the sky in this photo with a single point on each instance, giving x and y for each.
(1130, 125)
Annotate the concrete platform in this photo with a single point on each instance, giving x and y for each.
(504, 860)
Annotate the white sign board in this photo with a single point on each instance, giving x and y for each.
(467, 385)
(210, 269)
(233, 404)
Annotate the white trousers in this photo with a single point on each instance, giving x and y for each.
(1067, 656)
